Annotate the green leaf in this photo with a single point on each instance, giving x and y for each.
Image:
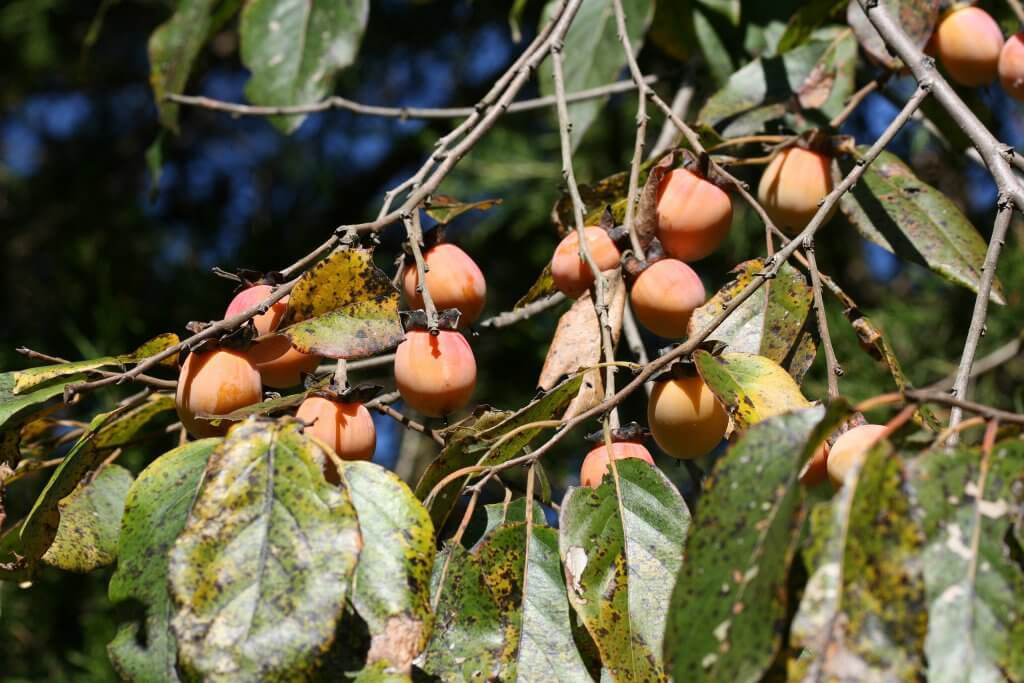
(897, 211)
(261, 571)
(592, 54)
(90, 522)
(479, 444)
(772, 322)
(173, 48)
(25, 380)
(973, 585)
(622, 548)
(730, 599)
(712, 46)
(16, 408)
(810, 84)
(811, 16)
(863, 612)
(751, 387)
(155, 511)
(106, 432)
(295, 48)
(392, 583)
(509, 513)
(502, 613)
(728, 9)
(445, 209)
(544, 286)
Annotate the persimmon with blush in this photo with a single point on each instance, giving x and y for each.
(849, 449)
(454, 280)
(435, 374)
(570, 272)
(665, 295)
(816, 469)
(685, 418)
(1011, 66)
(792, 187)
(215, 383)
(968, 43)
(280, 364)
(694, 215)
(595, 465)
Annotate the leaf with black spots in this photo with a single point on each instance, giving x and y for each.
(968, 502)
(392, 582)
(751, 387)
(622, 545)
(730, 599)
(173, 48)
(863, 615)
(155, 511)
(261, 571)
(90, 522)
(899, 212)
(502, 611)
(772, 322)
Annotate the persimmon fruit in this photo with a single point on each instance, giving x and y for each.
(686, 419)
(595, 465)
(435, 375)
(816, 469)
(968, 43)
(347, 427)
(849, 448)
(665, 295)
(280, 364)
(694, 215)
(1011, 66)
(215, 383)
(570, 272)
(453, 279)
(792, 187)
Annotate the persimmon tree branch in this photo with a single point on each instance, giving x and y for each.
(147, 380)
(996, 155)
(414, 232)
(526, 312)
(772, 267)
(402, 113)
(641, 130)
(833, 369)
(600, 288)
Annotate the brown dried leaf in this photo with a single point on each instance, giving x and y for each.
(577, 343)
(645, 224)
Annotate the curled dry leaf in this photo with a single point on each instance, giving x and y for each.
(577, 344)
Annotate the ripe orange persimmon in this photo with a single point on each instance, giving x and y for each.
(968, 42)
(215, 383)
(816, 469)
(793, 186)
(1011, 66)
(849, 448)
(665, 295)
(453, 279)
(436, 375)
(595, 465)
(345, 427)
(570, 272)
(694, 215)
(280, 364)
(685, 418)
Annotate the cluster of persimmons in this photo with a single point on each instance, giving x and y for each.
(435, 370)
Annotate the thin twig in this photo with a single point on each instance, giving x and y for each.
(414, 232)
(855, 100)
(1003, 354)
(402, 113)
(680, 104)
(528, 311)
(969, 406)
(600, 285)
(147, 380)
(834, 370)
(641, 130)
(980, 314)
